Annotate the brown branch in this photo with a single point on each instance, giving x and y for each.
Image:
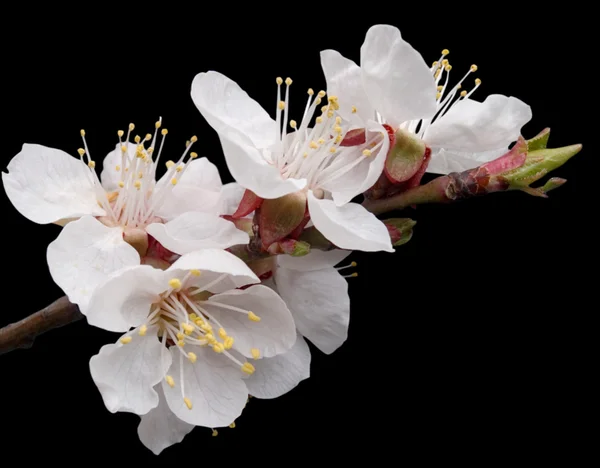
(22, 334)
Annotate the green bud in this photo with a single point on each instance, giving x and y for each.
(405, 157)
(280, 216)
(400, 229)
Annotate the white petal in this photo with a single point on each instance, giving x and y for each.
(397, 80)
(214, 263)
(200, 173)
(231, 196)
(471, 126)
(278, 375)
(314, 260)
(252, 171)
(214, 386)
(125, 374)
(344, 80)
(84, 254)
(320, 305)
(274, 334)
(364, 175)
(47, 185)
(194, 231)
(446, 161)
(187, 198)
(109, 176)
(160, 428)
(230, 111)
(350, 226)
(125, 299)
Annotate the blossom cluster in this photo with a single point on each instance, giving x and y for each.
(211, 286)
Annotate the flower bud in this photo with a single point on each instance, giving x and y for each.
(137, 238)
(279, 217)
(400, 229)
(405, 157)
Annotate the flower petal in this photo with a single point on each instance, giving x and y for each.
(213, 385)
(350, 226)
(110, 176)
(344, 80)
(320, 304)
(84, 254)
(230, 111)
(160, 428)
(47, 185)
(231, 196)
(471, 126)
(278, 375)
(194, 231)
(446, 161)
(274, 334)
(214, 263)
(125, 298)
(125, 374)
(314, 260)
(364, 175)
(397, 80)
(252, 171)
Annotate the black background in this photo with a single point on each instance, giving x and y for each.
(470, 343)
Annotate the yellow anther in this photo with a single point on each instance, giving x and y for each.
(218, 347)
(170, 381)
(157, 124)
(255, 353)
(137, 184)
(173, 181)
(175, 283)
(321, 94)
(305, 155)
(338, 129)
(313, 145)
(444, 62)
(207, 327)
(92, 164)
(150, 150)
(188, 403)
(281, 105)
(338, 138)
(288, 81)
(124, 149)
(137, 139)
(445, 52)
(458, 86)
(463, 93)
(253, 317)
(169, 164)
(332, 149)
(324, 108)
(164, 131)
(193, 316)
(319, 119)
(140, 175)
(448, 68)
(215, 433)
(437, 74)
(353, 264)
(434, 64)
(195, 272)
(321, 141)
(179, 168)
(248, 368)
(311, 91)
(81, 151)
(192, 357)
(117, 168)
(193, 155)
(338, 120)
(232, 425)
(143, 330)
(330, 114)
(187, 328)
(477, 81)
(228, 342)
(120, 133)
(148, 137)
(317, 101)
(180, 336)
(82, 132)
(293, 123)
(181, 343)
(354, 109)
(279, 80)
(439, 88)
(199, 322)
(222, 333)
(332, 98)
(354, 275)
(367, 152)
(121, 184)
(210, 338)
(473, 68)
(194, 139)
(131, 127)
(438, 95)
(126, 339)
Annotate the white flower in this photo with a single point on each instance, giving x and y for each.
(186, 361)
(271, 162)
(180, 210)
(394, 85)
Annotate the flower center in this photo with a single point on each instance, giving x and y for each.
(138, 194)
(315, 153)
(183, 321)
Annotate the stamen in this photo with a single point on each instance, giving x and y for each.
(126, 339)
(170, 381)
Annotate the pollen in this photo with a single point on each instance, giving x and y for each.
(448, 67)
(228, 342)
(181, 343)
(338, 120)
(218, 348)
(313, 145)
(293, 123)
(195, 272)
(253, 317)
(439, 88)
(321, 94)
(121, 184)
(463, 93)
(332, 149)
(248, 368)
(445, 52)
(210, 338)
(187, 328)
(279, 80)
(445, 62)
(117, 168)
(338, 129)
(148, 137)
(473, 68)
(131, 127)
(143, 330)
(338, 138)
(164, 131)
(281, 105)
(92, 164)
(173, 181)
(170, 381)
(192, 357)
(126, 339)
(81, 151)
(188, 403)
(438, 95)
(321, 141)
(288, 81)
(193, 155)
(175, 283)
(367, 152)
(137, 184)
(354, 109)
(477, 81)
(215, 433)
(311, 91)
(222, 333)
(317, 101)
(255, 353)
(120, 133)
(82, 132)
(137, 139)
(169, 164)
(319, 119)
(353, 264)
(207, 327)
(194, 139)
(232, 425)
(179, 168)
(124, 149)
